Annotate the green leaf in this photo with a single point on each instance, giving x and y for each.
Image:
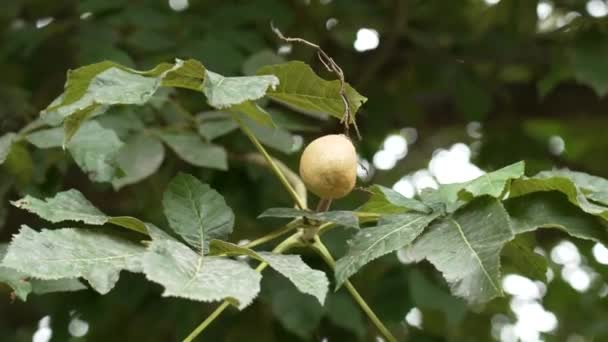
(301, 89)
(595, 188)
(186, 274)
(254, 112)
(46, 138)
(189, 75)
(443, 198)
(519, 257)
(72, 253)
(72, 123)
(190, 148)
(305, 279)
(71, 205)
(108, 83)
(196, 212)
(6, 141)
(455, 195)
(369, 244)
(216, 124)
(465, 247)
(13, 278)
(139, 158)
(493, 183)
(60, 285)
(341, 217)
(545, 183)
(95, 149)
(223, 92)
(552, 210)
(125, 120)
(130, 223)
(271, 135)
(384, 200)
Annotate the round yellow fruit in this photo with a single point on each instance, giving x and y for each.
(328, 166)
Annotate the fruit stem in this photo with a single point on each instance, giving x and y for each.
(326, 255)
(289, 242)
(323, 205)
(309, 233)
(277, 171)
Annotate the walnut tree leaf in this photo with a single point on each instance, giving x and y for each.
(369, 244)
(196, 212)
(465, 246)
(186, 274)
(70, 253)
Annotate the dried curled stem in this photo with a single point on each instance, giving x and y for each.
(333, 67)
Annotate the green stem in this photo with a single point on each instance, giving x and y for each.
(277, 171)
(291, 241)
(207, 321)
(363, 218)
(275, 234)
(326, 255)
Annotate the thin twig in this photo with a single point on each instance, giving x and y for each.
(331, 66)
(274, 167)
(322, 250)
(291, 176)
(291, 241)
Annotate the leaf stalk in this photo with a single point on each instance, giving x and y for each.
(275, 168)
(291, 241)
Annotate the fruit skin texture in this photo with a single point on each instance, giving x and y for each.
(328, 166)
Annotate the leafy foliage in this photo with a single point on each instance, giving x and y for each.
(388, 201)
(224, 92)
(301, 89)
(305, 279)
(71, 205)
(344, 218)
(196, 212)
(548, 182)
(95, 150)
(551, 210)
(72, 253)
(192, 149)
(184, 273)
(393, 233)
(466, 247)
(139, 158)
(90, 89)
(22, 286)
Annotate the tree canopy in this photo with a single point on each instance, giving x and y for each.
(477, 123)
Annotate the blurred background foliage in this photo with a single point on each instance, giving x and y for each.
(455, 88)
